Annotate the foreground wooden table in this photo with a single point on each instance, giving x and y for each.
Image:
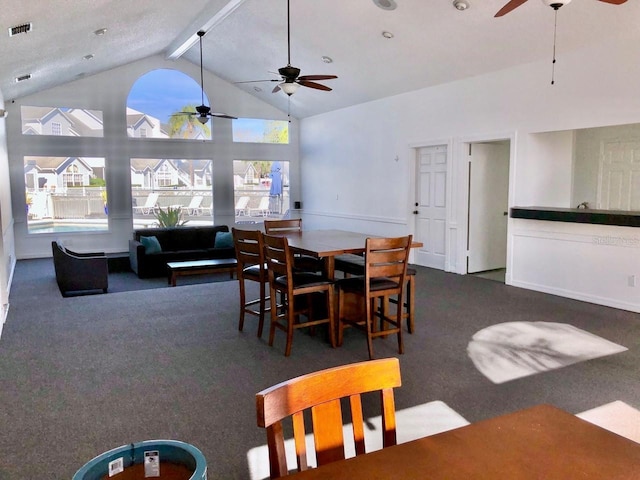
(539, 443)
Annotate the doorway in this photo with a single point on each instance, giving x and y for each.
(430, 207)
(488, 209)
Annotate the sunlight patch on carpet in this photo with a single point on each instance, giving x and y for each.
(617, 417)
(411, 423)
(512, 350)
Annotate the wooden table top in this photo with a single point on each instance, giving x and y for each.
(326, 243)
(541, 443)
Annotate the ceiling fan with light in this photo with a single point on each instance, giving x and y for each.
(203, 112)
(555, 4)
(291, 78)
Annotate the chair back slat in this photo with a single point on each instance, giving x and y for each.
(387, 257)
(327, 431)
(249, 247)
(277, 256)
(282, 226)
(321, 392)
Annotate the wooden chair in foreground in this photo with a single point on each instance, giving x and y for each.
(385, 275)
(320, 392)
(292, 283)
(251, 266)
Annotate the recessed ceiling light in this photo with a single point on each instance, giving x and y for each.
(386, 34)
(257, 89)
(89, 56)
(326, 59)
(100, 31)
(386, 4)
(461, 4)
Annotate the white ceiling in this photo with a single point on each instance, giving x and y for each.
(433, 42)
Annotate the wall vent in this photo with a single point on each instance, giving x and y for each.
(24, 28)
(22, 78)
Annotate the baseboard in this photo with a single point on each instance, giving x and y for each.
(607, 302)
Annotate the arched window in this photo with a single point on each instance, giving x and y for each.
(154, 103)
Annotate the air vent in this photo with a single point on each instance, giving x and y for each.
(22, 78)
(24, 28)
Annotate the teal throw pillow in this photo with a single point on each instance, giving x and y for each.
(223, 240)
(151, 244)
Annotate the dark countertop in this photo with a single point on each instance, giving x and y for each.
(621, 218)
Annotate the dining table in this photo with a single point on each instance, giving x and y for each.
(542, 442)
(327, 244)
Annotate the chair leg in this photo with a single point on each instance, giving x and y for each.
(411, 297)
(332, 318)
(274, 318)
(263, 306)
(340, 312)
(290, 319)
(369, 316)
(242, 304)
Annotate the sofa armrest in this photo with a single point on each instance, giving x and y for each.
(136, 252)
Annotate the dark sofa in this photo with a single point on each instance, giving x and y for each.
(177, 244)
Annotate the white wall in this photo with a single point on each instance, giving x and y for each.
(349, 154)
(7, 248)
(108, 92)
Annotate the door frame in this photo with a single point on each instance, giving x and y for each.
(450, 223)
(462, 201)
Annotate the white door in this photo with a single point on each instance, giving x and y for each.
(488, 206)
(431, 206)
(619, 176)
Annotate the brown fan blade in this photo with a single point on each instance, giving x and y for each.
(614, 2)
(317, 77)
(276, 89)
(512, 5)
(315, 85)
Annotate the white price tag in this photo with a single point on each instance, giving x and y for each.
(116, 466)
(151, 464)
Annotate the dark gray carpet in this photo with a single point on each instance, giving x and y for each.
(86, 374)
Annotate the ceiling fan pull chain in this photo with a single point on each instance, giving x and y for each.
(553, 64)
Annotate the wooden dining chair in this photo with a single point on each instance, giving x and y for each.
(384, 277)
(321, 392)
(292, 283)
(351, 264)
(251, 266)
(302, 262)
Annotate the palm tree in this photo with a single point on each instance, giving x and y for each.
(187, 126)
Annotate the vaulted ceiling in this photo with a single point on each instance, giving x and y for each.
(433, 42)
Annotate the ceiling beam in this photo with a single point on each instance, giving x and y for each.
(181, 45)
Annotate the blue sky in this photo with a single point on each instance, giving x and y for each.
(163, 92)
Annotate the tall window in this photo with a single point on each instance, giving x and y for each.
(257, 130)
(155, 104)
(184, 186)
(261, 190)
(65, 194)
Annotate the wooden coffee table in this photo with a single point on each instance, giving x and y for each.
(200, 267)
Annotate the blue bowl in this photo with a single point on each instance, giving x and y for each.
(133, 453)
